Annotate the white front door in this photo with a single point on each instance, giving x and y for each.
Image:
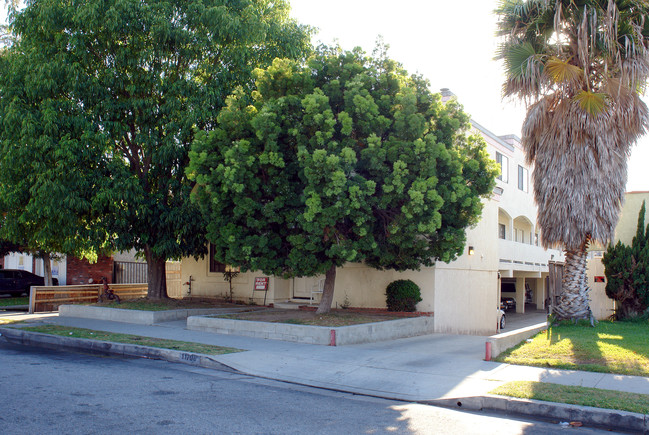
(302, 287)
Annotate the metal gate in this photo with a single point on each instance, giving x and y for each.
(129, 272)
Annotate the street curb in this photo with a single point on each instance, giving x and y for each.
(589, 416)
(14, 308)
(14, 335)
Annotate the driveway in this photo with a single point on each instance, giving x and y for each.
(522, 320)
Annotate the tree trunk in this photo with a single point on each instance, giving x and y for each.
(327, 291)
(573, 302)
(156, 275)
(47, 269)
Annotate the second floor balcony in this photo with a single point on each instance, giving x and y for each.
(525, 257)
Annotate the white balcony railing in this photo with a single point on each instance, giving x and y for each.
(523, 256)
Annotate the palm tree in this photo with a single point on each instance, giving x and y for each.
(579, 66)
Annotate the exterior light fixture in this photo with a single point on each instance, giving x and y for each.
(471, 250)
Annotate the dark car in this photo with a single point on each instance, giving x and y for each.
(508, 303)
(16, 282)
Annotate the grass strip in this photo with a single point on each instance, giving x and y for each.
(6, 321)
(574, 395)
(185, 346)
(144, 304)
(609, 347)
(8, 302)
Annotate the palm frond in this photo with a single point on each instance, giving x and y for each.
(562, 71)
(592, 103)
(517, 58)
(523, 68)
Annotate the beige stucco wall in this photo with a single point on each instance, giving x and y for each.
(206, 284)
(628, 223)
(361, 285)
(466, 290)
(600, 304)
(365, 287)
(466, 303)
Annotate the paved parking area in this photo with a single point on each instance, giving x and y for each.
(529, 318)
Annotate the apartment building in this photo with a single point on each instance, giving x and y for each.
(522, 262)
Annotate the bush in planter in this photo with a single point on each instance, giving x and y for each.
(402, 295)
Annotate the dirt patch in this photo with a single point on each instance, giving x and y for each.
(302, 317)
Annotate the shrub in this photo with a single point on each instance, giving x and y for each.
(402, 295)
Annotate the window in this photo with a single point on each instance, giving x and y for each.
(522, 178)
(519, 235)
(536, 239)
(215, 266)
(503, 162)
(55, 268)
(501, 231)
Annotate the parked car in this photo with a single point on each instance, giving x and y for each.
(501, 319)
(507, 303)
(16, 282)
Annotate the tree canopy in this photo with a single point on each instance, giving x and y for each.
(344, 159)
(99, 103)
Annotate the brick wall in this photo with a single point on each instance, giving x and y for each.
(81, 271)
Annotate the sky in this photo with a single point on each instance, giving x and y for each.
(451, 43)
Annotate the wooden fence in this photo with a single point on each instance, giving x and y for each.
(174, 286)
(46, 298)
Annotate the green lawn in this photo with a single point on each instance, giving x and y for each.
(68, 331)
(7, 302)
(582, 396)
(609, 347)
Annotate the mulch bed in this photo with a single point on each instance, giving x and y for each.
(308, 316)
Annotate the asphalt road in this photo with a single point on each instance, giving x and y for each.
(51, 392)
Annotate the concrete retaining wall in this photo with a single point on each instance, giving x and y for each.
(323, 335)
(131, 316)
(497, 344)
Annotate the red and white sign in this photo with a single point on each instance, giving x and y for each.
(261, 283)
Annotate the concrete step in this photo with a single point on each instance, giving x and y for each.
(290, 305)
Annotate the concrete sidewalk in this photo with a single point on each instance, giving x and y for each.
(439, 369)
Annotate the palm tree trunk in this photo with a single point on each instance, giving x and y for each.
(574, 303)
(327, 291)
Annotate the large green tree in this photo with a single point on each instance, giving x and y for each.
(579, 66)
(46, 204)
(344, 159)
(105, 97)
